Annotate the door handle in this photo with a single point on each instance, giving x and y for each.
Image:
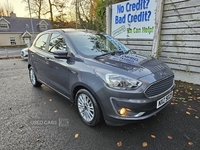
(46, 58)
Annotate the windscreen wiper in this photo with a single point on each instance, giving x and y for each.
(110, 53)
(130, 50)
(117, 52)
(102, 55)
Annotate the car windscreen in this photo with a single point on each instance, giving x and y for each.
(90, 44)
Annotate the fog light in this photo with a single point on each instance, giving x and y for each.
(122, 111)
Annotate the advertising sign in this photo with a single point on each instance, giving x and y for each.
(134, 19)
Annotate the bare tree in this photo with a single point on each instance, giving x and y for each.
(6, 9)
(2, 12)
(51, 10)
(37, 7)
(57, 9)
(86, 14)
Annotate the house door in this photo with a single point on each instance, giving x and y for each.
(27, 42)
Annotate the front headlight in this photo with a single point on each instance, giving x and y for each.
(121, 82)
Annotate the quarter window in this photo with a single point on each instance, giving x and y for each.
(56, 43)
(41, 42)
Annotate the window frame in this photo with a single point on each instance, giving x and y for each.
(43, 27)
(13, 41)
(4, 25)
(66, 45)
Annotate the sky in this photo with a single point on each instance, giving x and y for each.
(19, 7)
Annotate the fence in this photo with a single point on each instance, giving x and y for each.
(9, 52)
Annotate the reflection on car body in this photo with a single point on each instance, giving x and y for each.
(103, 77)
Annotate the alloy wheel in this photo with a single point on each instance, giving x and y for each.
(86, 107)
(32, 77)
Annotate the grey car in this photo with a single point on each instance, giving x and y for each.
(105, 79)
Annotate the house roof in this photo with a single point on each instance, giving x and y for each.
(26, 33)
(18, 24)
(5, 20)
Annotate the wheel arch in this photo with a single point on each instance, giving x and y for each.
(29, 65)
(79, 86)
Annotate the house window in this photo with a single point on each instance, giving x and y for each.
(43, 27)
(3, 26)
(12, 41)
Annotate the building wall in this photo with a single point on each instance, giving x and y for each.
(5, 39)
(180, 36)
(17, 27)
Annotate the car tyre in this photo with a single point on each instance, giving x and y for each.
(33, 78)
(88, 108)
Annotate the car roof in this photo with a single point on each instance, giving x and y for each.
(79, 30)
(70, 30)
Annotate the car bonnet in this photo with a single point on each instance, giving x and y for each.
(138, 65)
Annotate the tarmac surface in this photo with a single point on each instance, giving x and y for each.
(40, 119)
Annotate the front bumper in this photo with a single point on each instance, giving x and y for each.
(137, 105)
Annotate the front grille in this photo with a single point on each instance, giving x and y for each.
(159, 87)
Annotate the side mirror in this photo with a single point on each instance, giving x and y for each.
(60, 54)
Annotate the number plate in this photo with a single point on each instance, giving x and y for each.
(164, 100)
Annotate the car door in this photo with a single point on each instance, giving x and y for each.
(39, 57)
(57, 69)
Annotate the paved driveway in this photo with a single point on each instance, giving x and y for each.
(39, 118)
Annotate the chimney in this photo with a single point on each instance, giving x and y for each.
(13, 15)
